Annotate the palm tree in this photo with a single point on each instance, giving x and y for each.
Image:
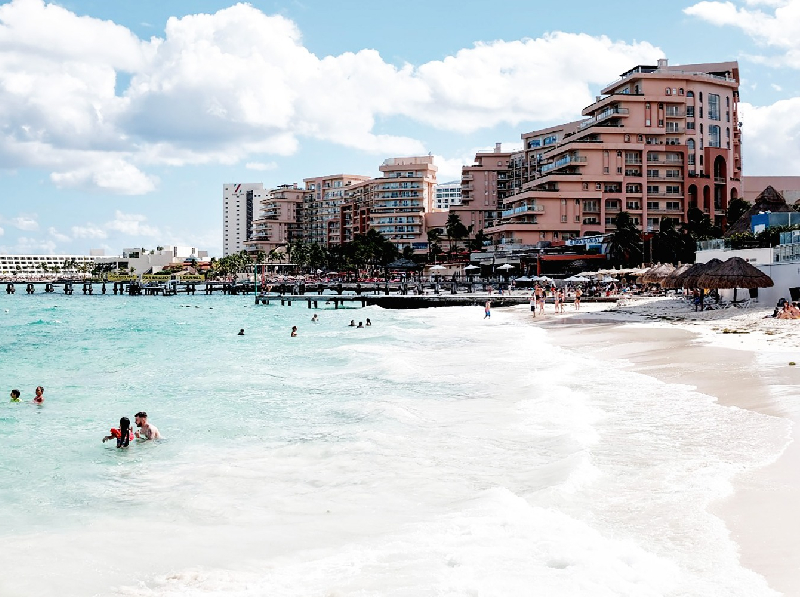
(625, 245)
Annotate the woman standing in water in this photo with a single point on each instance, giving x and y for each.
(39, 398)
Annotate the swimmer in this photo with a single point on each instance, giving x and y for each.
(146, 430)
(39, 398)
(15, 395)
(352, 323)
(360, 325)
(315, 318)
(241, 332)
(294, 331)
(369, 323)
(123, 435)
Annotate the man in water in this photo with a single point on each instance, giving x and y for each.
(241, 332)
(315, 318)
(146, 430)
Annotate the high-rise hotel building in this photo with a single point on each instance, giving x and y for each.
(239, 203)
(657, 142)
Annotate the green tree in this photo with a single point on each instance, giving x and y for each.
(455, 229)
(477, 243)
(625, 245)
(736, 208)
(699, 225)
(408, 252)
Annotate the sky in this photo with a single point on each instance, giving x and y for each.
(121, 121)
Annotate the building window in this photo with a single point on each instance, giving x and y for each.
(690, 144)
(632, 205)
(598, 186)
(653, 173)
(585, 186)
(577, 218)
(673, 205)
(713, 136)
(700, 96)
(652, 189)
(690, 111)
(673, 189)
(563, 218)
(653, 206)
(713, 107)
(690, 94)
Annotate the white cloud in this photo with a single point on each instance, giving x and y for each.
(776, 87)
(222, 87)
(779, 30)
(132, 225)
(24, 223)
(88, 231)
(771, 137)
(259, 166)
(2, 231)
(26, 245)
(57, 236)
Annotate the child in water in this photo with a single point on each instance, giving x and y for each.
(39, 398)
(14, 395)
(123, 435)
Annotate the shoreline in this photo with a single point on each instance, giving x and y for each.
(759, 512)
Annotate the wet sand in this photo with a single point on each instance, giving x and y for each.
(761, 512)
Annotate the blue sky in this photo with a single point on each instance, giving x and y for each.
(122, 120)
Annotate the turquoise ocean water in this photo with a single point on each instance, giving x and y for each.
(433, 453)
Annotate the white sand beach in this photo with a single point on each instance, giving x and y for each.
(740, 358)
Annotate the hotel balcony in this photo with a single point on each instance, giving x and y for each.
(633, 160)
(563, 162)
(523, 209)
(674, 130)
(605, 114)
(665, 195)
(675, 113)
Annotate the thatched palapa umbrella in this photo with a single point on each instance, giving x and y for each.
(656, 274)
(670, 280)
(690, 277)
(735, 273)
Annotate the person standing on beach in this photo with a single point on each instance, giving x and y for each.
(533, 304)
(540, 298)
(578, 293)
(487, 310)
(147, 430)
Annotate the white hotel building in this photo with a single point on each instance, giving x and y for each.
(239, 204)
(448, 194)
(41, 264)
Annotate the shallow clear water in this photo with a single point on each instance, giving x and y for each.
(433, 453)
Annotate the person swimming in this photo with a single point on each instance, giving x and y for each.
(123, 435)
(15, 395)
(241, 332)
(294, 331)
(352, 323)
(369, 323)
(39, 398)
(315, 318)
(360, 325)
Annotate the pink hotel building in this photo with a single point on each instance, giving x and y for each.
(658, 142)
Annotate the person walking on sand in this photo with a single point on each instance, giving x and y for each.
(533, 304)
(147, 431)
(540, 300)
(487, 310)
(578, 293)
(561, 298)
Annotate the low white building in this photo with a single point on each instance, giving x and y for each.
(781, 263)
(447, 194)
(40, 265)
(142, 260)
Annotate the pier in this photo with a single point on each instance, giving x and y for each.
(402, 295)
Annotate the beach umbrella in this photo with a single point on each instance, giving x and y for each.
(525, 279)
(734, 273)
(437, 268)
(472, 268)
(505, 267)
(690, 277)
(655, 274)
(670, 281)
(578, 278)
